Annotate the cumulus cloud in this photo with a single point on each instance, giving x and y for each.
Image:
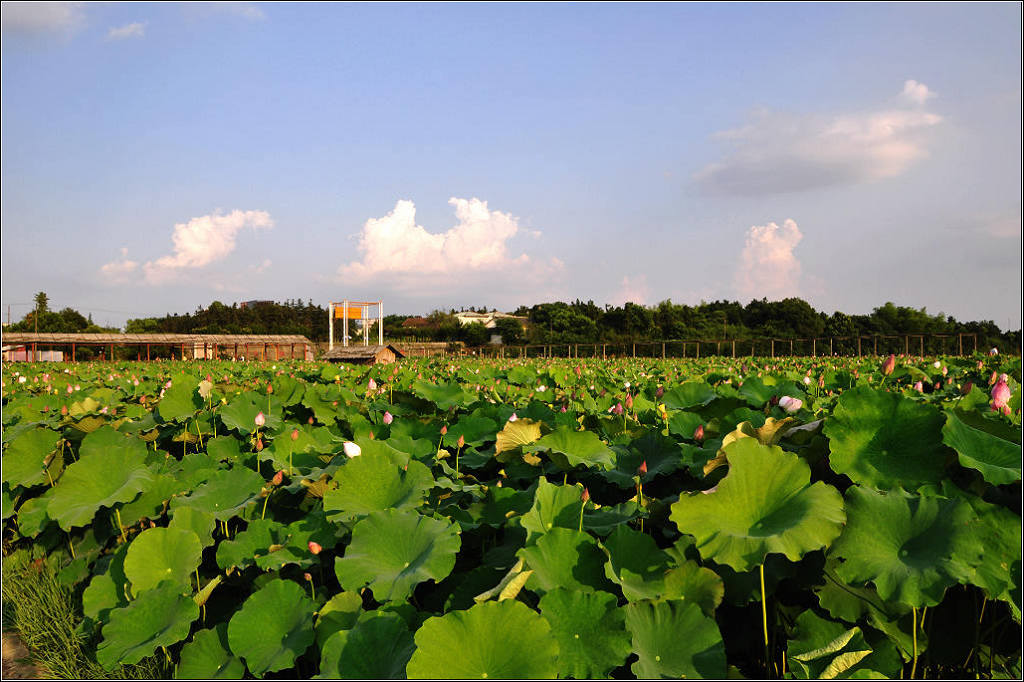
(783, 152)
(40, 18)
(134, 30)
(916, 93)
(119, 270)
(632, 290)
(767, 267)
(204, 240)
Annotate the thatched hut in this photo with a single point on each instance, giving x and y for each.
(363, 355)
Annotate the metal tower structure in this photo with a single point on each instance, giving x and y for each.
(358, 311)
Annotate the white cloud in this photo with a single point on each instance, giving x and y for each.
(916, 93)
(37, 18)
(133, 30)
(632, 290)
(204, 240)
(263, 267)
(767, 267)
(784, 152)
(119, 270)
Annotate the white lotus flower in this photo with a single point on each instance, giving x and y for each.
(790, 404)
(351, 449)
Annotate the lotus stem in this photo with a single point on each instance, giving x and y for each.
(71, 546)
(267, 499)
(913, 665)
(582, 507)
(764, 622)
(120, 527)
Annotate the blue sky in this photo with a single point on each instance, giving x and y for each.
(157, 157)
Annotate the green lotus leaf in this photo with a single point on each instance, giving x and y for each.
(758, 390)
(240, 413)
(101, 479)
(371, 483)
(692, 582)
(162, 554)
(824, 649)
(636, 564)
(339, 613)
(32, 516)
(225, 494)
(590, 630)
(377, 648)
(24, 459)
(181, 401)
(571, 448)
(687, 395)
(106, 590)
(207, 657)
(491, 640)
(272, 545)
(273, 627)
(445, 396)
(106, 438)
(515, 435)
(684, 424)
(554, 506)
(199, 522)
(289, 391)
(674, 639)
(393, 551)
(991, 446)
(884, 440)
(911, 547)
(999, 531)
(8, 504)
(150, 504)
(474, 431)
(157, 617)
(765, 504)
(225, 449)
(563, 557)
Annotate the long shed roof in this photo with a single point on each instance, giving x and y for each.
(133, 339)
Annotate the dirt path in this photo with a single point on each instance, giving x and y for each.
(16, 664)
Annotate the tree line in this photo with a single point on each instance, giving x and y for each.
(558, 323)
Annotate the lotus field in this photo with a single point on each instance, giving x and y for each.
(797, 518)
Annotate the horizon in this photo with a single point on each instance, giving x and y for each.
(156, 158)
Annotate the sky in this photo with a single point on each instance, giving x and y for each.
(157, 157)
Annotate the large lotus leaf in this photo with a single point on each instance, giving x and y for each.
(224, 448)
(157, 617)
(567, 558)
(636, 564)
(377, 648)
(991, 446)
(554, 506)
(999, 530)
(694, 583)
(765, 504)
(445, 396)
(371, 483)
(769, 433)
(24, 459)
(289, 391)
(32, 516)
(674, 639)
(207, 657)
(106, 590)
(150, 504)
(225, 494)
(101, 479)
(162, 554)
(590, 630)
(273, 627)
(824, 649)
(690, 394)
(884, 440)
(515, 435)
(572, 448)
(181, 401)
(339, 613)
(199, 522)
(758, 390)
(911, 547)
(473, 429)
(8, 504)
(491, 640)
(240, 413)
(106, 438)
(272, 545)
(684, 424)
(393, 551)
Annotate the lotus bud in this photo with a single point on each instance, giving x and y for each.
(309, 421)
(790, 404)
(388, 418)
(618, 409)
(278, 477)
(444, 430)
(774, 401)
(260, 419)
(372, 385)
(967, 388)
(270, 388)
(945, 370)
(993, 351)
(1000, 395)
(698, 434)
(919, 387)
(821, 381)
(889, 365)
(660, 392)
(259, 444)
(351, 449)
(64, 410)
(371, 435)
(462, 440)
(308, 577)
(295, 434)
(314, 547)
(586, 495)
(642, 469)
(807, 381)
(513, 417)
(629, 402)
(563, 408)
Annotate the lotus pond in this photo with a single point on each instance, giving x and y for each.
(803, 518)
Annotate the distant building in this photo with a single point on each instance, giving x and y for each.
(417, 323)
(251, 304)
(363, 355)
(488, 320)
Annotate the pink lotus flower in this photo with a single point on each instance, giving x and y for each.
(790, 404)
(388, 418)
(919, 387)
(1000, 396)
(513, 417)
(618, 409)
(314, 547)
(260, 420)
(889, 365)
(372, 385)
